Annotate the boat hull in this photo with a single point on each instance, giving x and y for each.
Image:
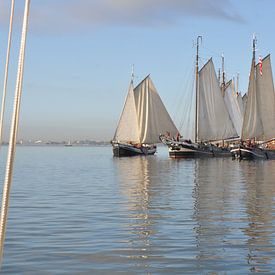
(128, 150)
(249, 153)
(187, 149)
(189, 153)
(207, 152)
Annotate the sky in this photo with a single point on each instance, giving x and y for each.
(80, 53)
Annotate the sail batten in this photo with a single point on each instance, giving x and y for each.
(214, 122)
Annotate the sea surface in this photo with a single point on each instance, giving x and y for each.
(79, 210)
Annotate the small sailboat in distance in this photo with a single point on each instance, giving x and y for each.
(143, 118)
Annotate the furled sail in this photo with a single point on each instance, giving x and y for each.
(153, 118)
(214, 122)
(233, 107)
(127, 129)
(259, 114)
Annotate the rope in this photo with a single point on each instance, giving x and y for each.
(6, 72)
(13, 131)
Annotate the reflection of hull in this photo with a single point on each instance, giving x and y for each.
(187, 149)
(249, 153)
(128, 150)
(270, 153)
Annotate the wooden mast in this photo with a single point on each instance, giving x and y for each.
(254, 61)
(223, 76)
(199, 38)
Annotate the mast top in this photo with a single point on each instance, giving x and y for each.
(133, 74)
(254, 43)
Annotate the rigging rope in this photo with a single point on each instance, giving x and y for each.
(13, 131)
(6, 73)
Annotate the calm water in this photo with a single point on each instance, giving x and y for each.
(78, 210)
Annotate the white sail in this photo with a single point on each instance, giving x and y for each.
(266, 98)
(252, 126)
(214, 122)
(127, 129)
(241, 103)
(259, 117)
(233, 107)
(244, 100)
(153, 118)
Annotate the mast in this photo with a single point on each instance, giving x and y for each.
(133, 74)
(199, 39)
(237, 84)
(223, 76)
(254, 50)
(254, 60)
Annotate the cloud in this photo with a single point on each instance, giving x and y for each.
(64, 15)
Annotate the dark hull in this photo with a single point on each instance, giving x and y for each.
(188, 149)
(122, 150)
(192, 152)
(249, 153)
(173, 153)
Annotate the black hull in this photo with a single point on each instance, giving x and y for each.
(249, 154)
(192, 152)
(122, 150)
(188, 149)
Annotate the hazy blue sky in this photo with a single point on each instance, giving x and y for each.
(79, 56)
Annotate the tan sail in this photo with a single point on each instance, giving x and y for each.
(214, 122)
(266, 98)
(233, 107)
(259, 114)
(127, 129)
(153, 118)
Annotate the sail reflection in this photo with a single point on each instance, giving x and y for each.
(234, 212)
(259, 205)
(143, 183)
(216, 196)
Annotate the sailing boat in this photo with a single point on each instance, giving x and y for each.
(258, 128)
(143, 118)
(212, 121)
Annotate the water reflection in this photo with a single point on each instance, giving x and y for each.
(259, 205)
(143, 182)
(234, 211)
(217, 198)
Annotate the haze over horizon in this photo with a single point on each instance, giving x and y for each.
(79, 56)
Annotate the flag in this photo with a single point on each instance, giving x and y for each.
(261, 65)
